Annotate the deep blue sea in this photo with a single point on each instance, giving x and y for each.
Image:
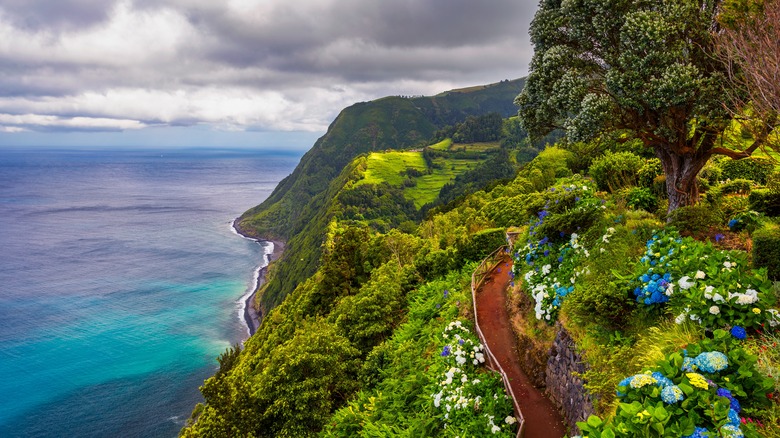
(120, 283)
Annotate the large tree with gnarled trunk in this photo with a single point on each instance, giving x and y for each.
(642, 68)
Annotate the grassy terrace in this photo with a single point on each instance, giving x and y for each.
(390, 167)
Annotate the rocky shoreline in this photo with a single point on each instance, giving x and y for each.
(252, 316)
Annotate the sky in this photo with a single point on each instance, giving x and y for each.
(249, 73)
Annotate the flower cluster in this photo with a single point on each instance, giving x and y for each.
(709, 362)
(698, 399)
(551, 271)
(712, 287)
(463, 392)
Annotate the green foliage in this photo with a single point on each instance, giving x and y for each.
(754, 169)
(601, 295)
(737, 186)
(614, 171)
(677, 399)
(694, 218)
(766, 249)
(649, 171)
(641, 198)
(550, 164)
(479, 129)
(765, 201)
(480, 244)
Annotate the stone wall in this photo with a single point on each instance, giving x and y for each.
(564, 388)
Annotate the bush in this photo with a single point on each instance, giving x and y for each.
(747, 220)
(614, 171)
(737, 186)
(754, 169)
(480, 244)
(712, 173)
(649, 172)
(659, 186)
(641, 198)
(766, 250)
(694, 218)
(550, 164)
(765, 201)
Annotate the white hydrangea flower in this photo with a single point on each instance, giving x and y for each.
(680, 318)
(685, 283)
(714, 310)
(718, 298)
(510, 420)
(700, 275)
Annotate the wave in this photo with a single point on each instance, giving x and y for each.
(243, 302)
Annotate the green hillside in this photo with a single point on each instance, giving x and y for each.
(297, 211)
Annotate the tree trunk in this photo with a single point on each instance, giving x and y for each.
(681, 172)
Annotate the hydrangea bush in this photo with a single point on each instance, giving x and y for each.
(550, 257)
(703, 391)
(713, 287)
(469, 400)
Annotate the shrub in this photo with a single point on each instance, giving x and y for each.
(659, 186)
(641, 198)
(747, 220)
(550, 164)
(693, 218)
(712, 173)
(737, 186)
(754, 169)
(765, 201)
(649, 172)
(766, 250)
(480, 244)
(614, 171)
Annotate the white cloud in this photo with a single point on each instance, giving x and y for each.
(243, 64)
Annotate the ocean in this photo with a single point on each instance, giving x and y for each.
(120, 283)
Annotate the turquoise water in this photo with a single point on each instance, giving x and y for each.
(120, 280)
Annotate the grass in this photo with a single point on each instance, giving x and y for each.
(428, 186)
(442, 145)
(389, 167)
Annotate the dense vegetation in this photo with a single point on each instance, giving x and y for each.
(659, 258)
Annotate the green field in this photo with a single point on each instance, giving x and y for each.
(390, 166)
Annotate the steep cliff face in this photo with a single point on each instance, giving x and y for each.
(297, 210)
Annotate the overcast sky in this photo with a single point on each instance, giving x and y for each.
(239, 72)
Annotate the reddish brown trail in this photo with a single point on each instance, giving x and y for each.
(542, 419)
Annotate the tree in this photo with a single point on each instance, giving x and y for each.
(639, 69)
(749, 44)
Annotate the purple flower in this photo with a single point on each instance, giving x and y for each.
(446, 351)
(460, 341)
(719, 237)
(446, 293)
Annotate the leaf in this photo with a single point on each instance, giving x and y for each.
(594, 421)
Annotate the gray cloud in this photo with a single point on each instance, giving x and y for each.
(244, 64)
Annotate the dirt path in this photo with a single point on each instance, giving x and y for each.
(542, 419)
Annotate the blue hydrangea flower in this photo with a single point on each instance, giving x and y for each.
(688, 365)
(671, 394)
(663, 381)
(738, 332)
(733, 417)
(712, 361)
(698, 433)
(446, 351)
(731, 431)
